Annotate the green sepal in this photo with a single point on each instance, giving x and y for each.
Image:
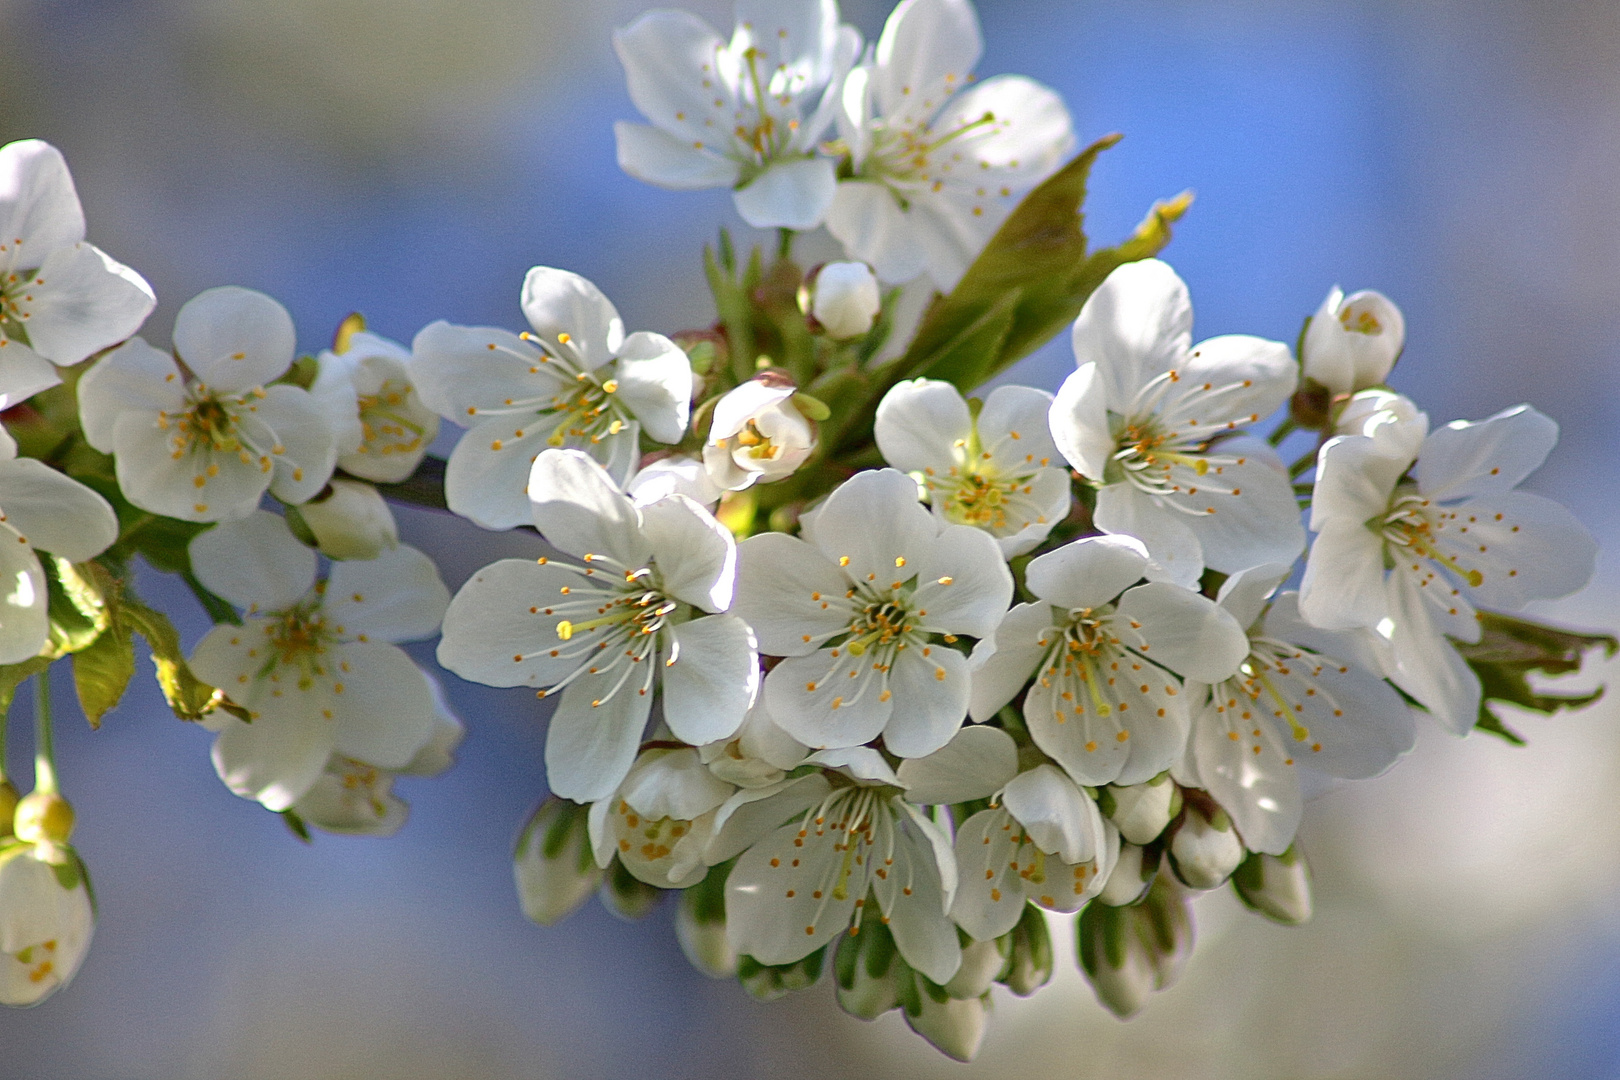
(767, 982)
(297, 825)
(707, 899)
(626, 895)
(187, 695)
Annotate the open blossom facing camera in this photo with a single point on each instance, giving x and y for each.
(61, 299)
(757, 435)
(938, 160)
(1153, 420)
(314, 662)
(993, 469)
(864, 613)
(638, 610)
(203, 442)
(746, 114)
(1414, 528)
(576, 381)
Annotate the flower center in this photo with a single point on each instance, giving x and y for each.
(298, 639)
(907, 154)
(383, 421)
(879, 625)
(13, 294)
(1413, 524)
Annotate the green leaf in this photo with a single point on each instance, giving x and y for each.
(101, 672)
(187, 695)
(76, 605)
(1038, 265)
(14, 675)
(1510, 650)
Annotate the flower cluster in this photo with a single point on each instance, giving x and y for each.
(869, 670)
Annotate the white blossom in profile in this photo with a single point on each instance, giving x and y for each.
(1155, 422)
(40, 510)
(1368, 409)
(993, 470)
(314, 662)
(61, 299)
(1415, 528)
(46, 920)
(1107, 656)
(938, 160)
(634, 607)
(659, 821)
(1353, 341)
(865, 611)
(1303, 700)
(757, 434)
(383, 429)
(204, 441)
(746, 114)
(574, 380)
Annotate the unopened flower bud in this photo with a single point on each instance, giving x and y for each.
(351, 520)
(8, 807)
(758, 434)
(867, 971)
(1141, 811)
(1353, 341)
(43, 817)
(767, 982)
(553, 866)
(955, 1026)
(1133, 873)
(1029, 963)
(843, 297)
(1114, 958)
(703, 937)
(45, 922)
(982, 961)
(1277, 886)
(627, 896)
(1205, 850)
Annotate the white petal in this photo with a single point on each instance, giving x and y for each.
(750, 814)
(589, 748)
(280, 755)
(38, 203)
(1356, 474)
(560, 302)
(1359, 646)
(1136, 326)
(1036, 511)
(1245, 593)
(672, 784)
(1426, 664)
(667, 56)
(1250, 376)
(763, 920)
(930, 688)
(1171, 543)
(23, 373)
(1484, 457)
(790, 593)
(81, 302)
(1537, 549)
(23, 621)
(920, 425)
(975, 764)
(500, 629)
(398, 596)
(984, 906)
(579, 510)
(1252, 778)
(55, 512)
(152, 478)
(673, 476)
(1057, 815)
(657, 157)
(1078, 421)
(333, 390)
(132, 378)
(1031, 137)
(922, 933)
(1013, 428)
(305, 435)
(928, 49)
(487, 477)
(1258, 524)
(867, 219)
(385, 708)
(875, 522)
(856, 762)
(1089, 572)
(254, 562)
(1355, 725)
(791, 194)
(696, 556)
(801, 693)
(963, 582)
(1002, 664)
(234, 338)
(459, 370)
(1344, 578)
(1087, 745)
(655, 383)
(1189, 634)
(710, 679)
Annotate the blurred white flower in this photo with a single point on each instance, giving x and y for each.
(865, 612)
(552, 866)
(746, 115)
(605, 630)
(204, 442)
(843, 297)
(758, 435)
(353, 521)
(575, 381)
(46, 920)
(1353, 341)
(385, 429)
(993, 470)
(938, 162)
(61, 300)
(1410, 557)
(1153, 420)
(313, 661)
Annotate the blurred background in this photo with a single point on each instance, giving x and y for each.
(411, 158)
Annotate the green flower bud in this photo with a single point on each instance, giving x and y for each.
(1133, 873)
(1277, 886)
(1205, 849)
(1029, 960)
(955, 1026)
(552, 866)
(867, 969)
(767, 982)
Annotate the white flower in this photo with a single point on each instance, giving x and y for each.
(313, 662)
(659, 822)
(1140, 811)
(843, 298)
(61, 299)
(576, 381)
(40, 509)
(677, 475)
(809, 880)
(1353, 341)
(758, 435)
(46, 919)
(1368, 409)
(1153, 420)
(1104, 653)
(1303, 699)
(864, 613)
(1410, 555)
(992, 470)
(1205, 848)
(758, 755)
(204, 442)
(355, 797)
(385, 428)
(353, 521)
(604, 630)
(937, 165)
(746, 115)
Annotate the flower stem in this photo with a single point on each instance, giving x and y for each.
(44, 736)
(1284, 429)
(784, 243)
